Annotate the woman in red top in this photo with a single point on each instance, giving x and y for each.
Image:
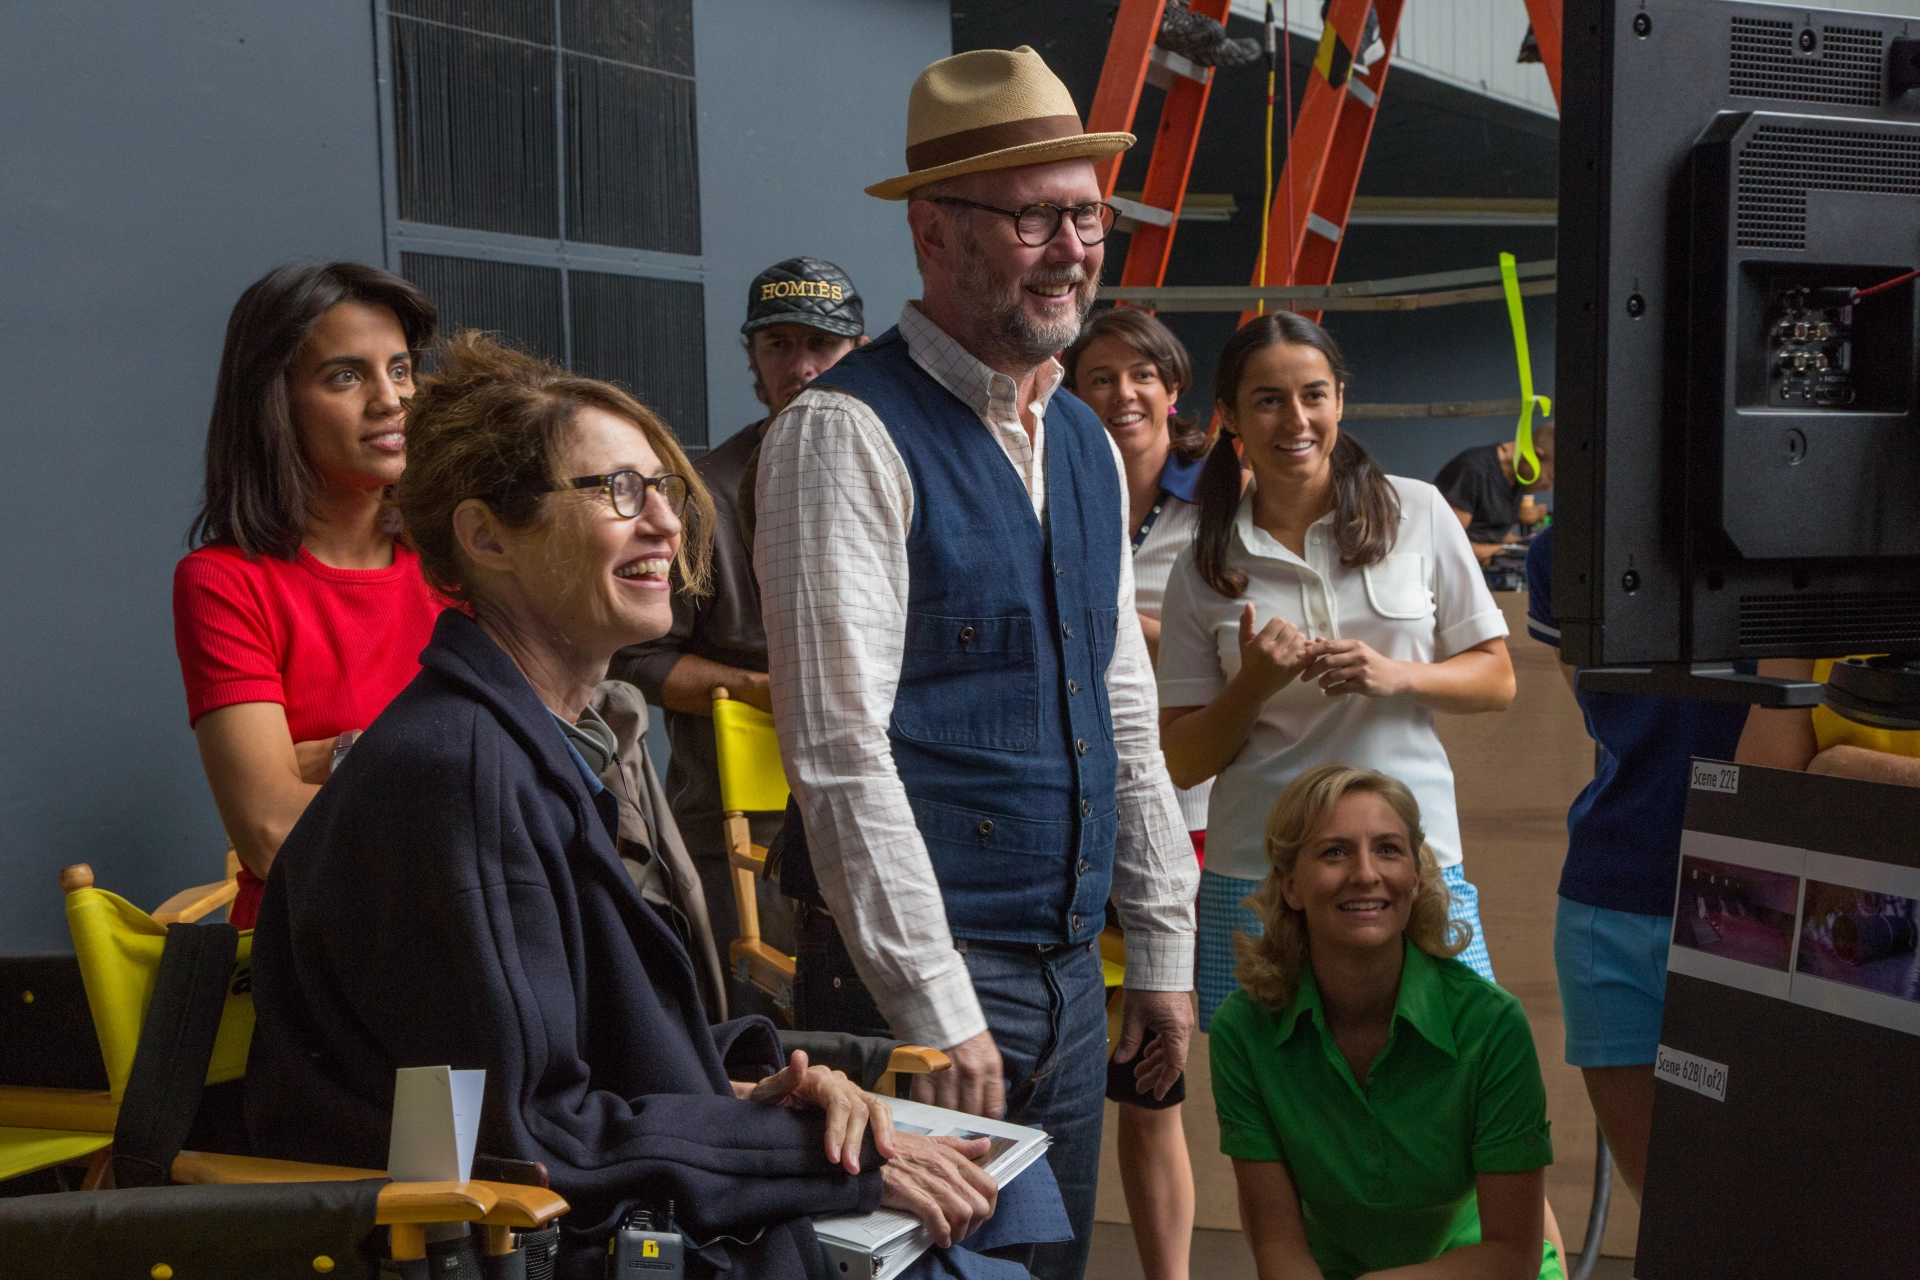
(298, 616)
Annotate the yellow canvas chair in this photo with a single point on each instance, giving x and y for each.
(752, 780)
(119, 948)
(42, 1128)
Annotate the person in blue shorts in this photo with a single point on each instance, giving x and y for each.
(1615, 916)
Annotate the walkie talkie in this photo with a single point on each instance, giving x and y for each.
(646, 1245)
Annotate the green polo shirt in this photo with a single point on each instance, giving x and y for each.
(1385, 1172)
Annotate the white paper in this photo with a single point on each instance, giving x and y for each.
(436, 1122)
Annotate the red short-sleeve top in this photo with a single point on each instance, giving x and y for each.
(333, 646)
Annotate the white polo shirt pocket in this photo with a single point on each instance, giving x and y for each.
(1397, 587)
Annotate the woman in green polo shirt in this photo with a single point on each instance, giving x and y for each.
(1381, 1101)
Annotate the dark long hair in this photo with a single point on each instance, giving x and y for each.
(1152, 339)
(258, 481)
(1367, 510)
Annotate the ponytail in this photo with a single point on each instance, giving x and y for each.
(1218, 495)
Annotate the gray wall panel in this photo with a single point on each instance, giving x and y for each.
(801, 106)
(157, 159)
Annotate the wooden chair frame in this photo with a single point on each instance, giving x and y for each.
(756, 962)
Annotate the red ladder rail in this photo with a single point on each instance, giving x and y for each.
(1327, 150)
(1547, 26)
(1132, 60)
(1122, 76)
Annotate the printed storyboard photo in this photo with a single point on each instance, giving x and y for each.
(1786, 1127)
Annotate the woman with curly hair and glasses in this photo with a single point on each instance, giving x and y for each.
(1381, 1101)
(455, 893)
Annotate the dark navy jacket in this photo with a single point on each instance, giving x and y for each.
(452, 897)
(1001, 730)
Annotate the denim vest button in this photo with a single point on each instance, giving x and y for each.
(986, 826)
(1080, 745)
(966, 635)
(1078, 921)
(1066, 631)
(1086, 808)
(1084, 867)
(1073, 686)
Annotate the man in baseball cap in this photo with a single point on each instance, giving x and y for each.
(802, 316)
(965, 701)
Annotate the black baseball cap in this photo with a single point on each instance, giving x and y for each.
(809, 291)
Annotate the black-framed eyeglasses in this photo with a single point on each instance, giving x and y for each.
(627, 490)
(1036, 224)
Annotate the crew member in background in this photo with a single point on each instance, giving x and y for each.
(964, 698)
(1615, 914)
(1481, 487)
(1821, 740)
(1131, 370)
(802, 316)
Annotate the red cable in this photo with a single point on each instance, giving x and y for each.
(1884, 284)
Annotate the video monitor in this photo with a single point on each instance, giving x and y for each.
(1738, 425)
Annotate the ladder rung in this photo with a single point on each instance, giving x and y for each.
(1135, 212)
(1164, 66)
(1323, 228)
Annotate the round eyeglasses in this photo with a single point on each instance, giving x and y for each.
(627, 490)
(1036, 224)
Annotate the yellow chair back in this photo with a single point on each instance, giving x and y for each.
(119, 947)
(752, 779)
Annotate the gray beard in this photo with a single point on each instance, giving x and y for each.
(1001, 322)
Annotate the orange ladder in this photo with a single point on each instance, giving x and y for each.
(1314, 193)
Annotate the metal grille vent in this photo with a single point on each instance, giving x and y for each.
(473, 131)
(649, 336)
(520, 303)
(1860, 621)
(1780, 164)
(633, 167)
(1849, 69)
(479, 119)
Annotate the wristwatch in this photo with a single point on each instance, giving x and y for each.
(341, 745)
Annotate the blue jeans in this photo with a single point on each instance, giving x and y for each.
(1047, 1010)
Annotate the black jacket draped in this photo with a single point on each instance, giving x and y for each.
(451, 896)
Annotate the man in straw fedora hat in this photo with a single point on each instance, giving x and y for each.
(964, 699)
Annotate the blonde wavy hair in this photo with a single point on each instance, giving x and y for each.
(1270, 965)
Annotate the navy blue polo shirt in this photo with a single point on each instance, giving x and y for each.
(1623, 832)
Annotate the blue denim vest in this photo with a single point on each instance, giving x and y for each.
(1001, 730)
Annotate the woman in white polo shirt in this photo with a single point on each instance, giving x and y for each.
(1323, 617)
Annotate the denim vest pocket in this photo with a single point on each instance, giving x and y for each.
(969, 682)
(1104, 638)
(1003, 876)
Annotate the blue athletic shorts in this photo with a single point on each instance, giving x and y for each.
(1612, 967)
(1221, 915)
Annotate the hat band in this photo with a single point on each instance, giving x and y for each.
(968, 143)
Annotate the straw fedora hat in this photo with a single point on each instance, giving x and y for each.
(990, 109)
